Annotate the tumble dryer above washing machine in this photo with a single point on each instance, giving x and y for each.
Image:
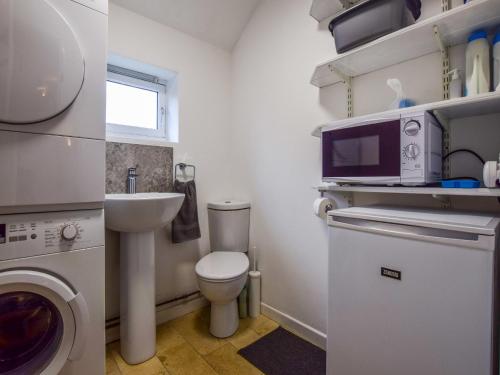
(52, 68)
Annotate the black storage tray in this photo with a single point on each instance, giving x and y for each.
(371, 19)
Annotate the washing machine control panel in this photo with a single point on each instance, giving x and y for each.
(26, 235)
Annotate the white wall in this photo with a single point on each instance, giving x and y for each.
(250, 114)
(278, 162)
(204, 93)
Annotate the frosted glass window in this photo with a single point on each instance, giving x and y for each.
(131, 106)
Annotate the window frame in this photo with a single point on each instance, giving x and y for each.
(160, 87)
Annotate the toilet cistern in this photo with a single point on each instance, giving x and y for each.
(136, 216)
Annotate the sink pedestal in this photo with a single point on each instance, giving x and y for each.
(136, 216)
(137, 296)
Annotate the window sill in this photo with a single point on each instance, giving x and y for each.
(138, 140)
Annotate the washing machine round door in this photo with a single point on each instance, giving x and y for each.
(41, 64)
(43, 323)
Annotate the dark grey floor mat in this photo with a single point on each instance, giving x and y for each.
(283, 353)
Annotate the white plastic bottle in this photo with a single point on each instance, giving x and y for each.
(455, 84)
(477, 64)
(496, 61)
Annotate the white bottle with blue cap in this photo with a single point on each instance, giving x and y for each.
(477, 64)
(496, 61)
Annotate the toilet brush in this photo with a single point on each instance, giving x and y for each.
(254, 295)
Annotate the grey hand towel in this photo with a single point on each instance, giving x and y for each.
(185, 226)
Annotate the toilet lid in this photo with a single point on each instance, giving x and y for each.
(222, 265)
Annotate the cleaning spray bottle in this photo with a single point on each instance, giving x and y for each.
(455, 84)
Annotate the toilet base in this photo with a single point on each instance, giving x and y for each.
(224, 319)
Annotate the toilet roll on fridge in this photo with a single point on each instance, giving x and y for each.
(321, 206)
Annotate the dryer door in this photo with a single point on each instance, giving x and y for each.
(41, 65)
(42, 323)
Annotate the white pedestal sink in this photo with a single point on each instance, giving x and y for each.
(136, 216)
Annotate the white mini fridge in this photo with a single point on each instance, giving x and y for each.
(412, 292)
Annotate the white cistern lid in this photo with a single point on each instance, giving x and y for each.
(228, 205)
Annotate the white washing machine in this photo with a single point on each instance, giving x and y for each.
(52, 101)
(52, 293)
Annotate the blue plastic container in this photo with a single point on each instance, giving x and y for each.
(460, 184)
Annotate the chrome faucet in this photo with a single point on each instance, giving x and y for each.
(131, 179)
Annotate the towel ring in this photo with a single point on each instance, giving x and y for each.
(182, 167)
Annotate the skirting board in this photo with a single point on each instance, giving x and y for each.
(163, 314)
(300, 329)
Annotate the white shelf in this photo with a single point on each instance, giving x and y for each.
(449, 109)
(411, 42)
(480, 192)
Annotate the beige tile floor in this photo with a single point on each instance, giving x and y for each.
(185, 347)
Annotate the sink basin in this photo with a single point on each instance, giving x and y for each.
(136, 216)
(141, 212)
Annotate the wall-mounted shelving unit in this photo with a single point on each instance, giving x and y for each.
(446, 109)
(434, 191)
(411, 42)
(435, 34)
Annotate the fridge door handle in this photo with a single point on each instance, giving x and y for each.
(449, 237)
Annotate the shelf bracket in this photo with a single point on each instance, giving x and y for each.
(346, 4)
(445, 5)
(445, 122)
(350, 111)
(347, 80)
(444, 199)
(445, 70)
(445, 63)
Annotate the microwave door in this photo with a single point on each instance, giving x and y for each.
(363, 154)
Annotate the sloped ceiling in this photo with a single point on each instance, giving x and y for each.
(219, 22)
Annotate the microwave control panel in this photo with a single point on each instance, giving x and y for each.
(421, 148)
(412, 147)
(27, 235)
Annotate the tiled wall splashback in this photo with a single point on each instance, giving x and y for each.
(154, 166)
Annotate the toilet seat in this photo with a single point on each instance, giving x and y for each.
(222, 266)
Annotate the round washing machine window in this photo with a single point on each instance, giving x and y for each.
(31, 329)
(41, 64)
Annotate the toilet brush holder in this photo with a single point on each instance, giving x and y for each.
(254, 296)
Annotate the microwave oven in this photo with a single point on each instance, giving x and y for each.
(400, 150)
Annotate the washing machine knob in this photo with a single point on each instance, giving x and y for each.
(69, 232)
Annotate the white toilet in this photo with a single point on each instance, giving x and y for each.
(223, 273)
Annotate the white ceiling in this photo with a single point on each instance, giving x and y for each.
(219, 22)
